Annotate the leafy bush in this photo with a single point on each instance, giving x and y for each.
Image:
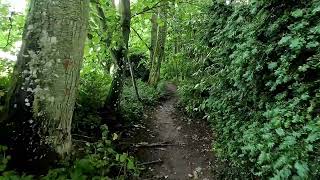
(139, 64)
(178, 67)
(93, 89)
(131, 108)
(263, 84)
(193, 96)
(94, 86)
(5, 72)
(100, 162)
(162, 89)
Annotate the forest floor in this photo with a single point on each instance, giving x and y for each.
(173, 146)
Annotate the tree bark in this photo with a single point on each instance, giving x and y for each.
(42, 96)
(120, 56)
(154, 35)
(133, 79)
(159, 52)
(113, 98)
(126, 21)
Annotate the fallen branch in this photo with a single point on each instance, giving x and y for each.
(161, 144)
(83, 136)
(151, 162)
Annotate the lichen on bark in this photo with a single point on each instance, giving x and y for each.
(46, 76)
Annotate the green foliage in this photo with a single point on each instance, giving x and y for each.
(5, 72)
(94, 86)
(5, 174)
(177, 68)
(260, 87)
(101, 162)
(132, 109)
(193, 96)
(162, 89)
(93, 89)
(11, 26)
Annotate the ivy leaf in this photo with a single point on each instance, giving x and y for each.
(316, 30)
(315, 10)
(285, 40)
(302, 168)
(280, 132)
(296, 43)
(313, 137)
(123, 157)
(281, 161)
(114, 136)
(312, 44)
(130, 164)
(289, 141)
(303, 68)
(272, 65)
(297, 13)
(263, 157)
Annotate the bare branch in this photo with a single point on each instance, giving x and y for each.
(148, 9)
(10, 30)
(135, 31)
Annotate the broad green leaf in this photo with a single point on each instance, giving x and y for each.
(302, 168)
(297, 13)
(280, 132)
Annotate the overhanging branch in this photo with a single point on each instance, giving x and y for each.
(10, 30)
(148, 9)
(135, 31)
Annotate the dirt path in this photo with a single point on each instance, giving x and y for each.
(189, 154)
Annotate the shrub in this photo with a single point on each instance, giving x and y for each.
(177, 68)
(5, 72)
(132, 109)
(263, 85)
(100, 162)
(93, 89)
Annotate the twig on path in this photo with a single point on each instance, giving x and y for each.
(161, 144)
(145, 144)
(151, 162)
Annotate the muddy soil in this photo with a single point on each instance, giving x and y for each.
(180, 148)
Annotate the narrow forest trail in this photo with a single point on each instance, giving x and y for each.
(188, 155)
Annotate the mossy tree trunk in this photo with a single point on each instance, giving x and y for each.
(113, 98)
(154, 35)
(159, 51)
(41, 100)
(120, 56)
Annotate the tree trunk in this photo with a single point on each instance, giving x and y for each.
(159, 52)
(120, 56)
(133, 79)
(113, 98)
(41, 100)
(154, 35)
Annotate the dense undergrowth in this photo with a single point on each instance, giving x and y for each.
(260, 87)
(96, 156)
(250, 69)
(101, 161)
